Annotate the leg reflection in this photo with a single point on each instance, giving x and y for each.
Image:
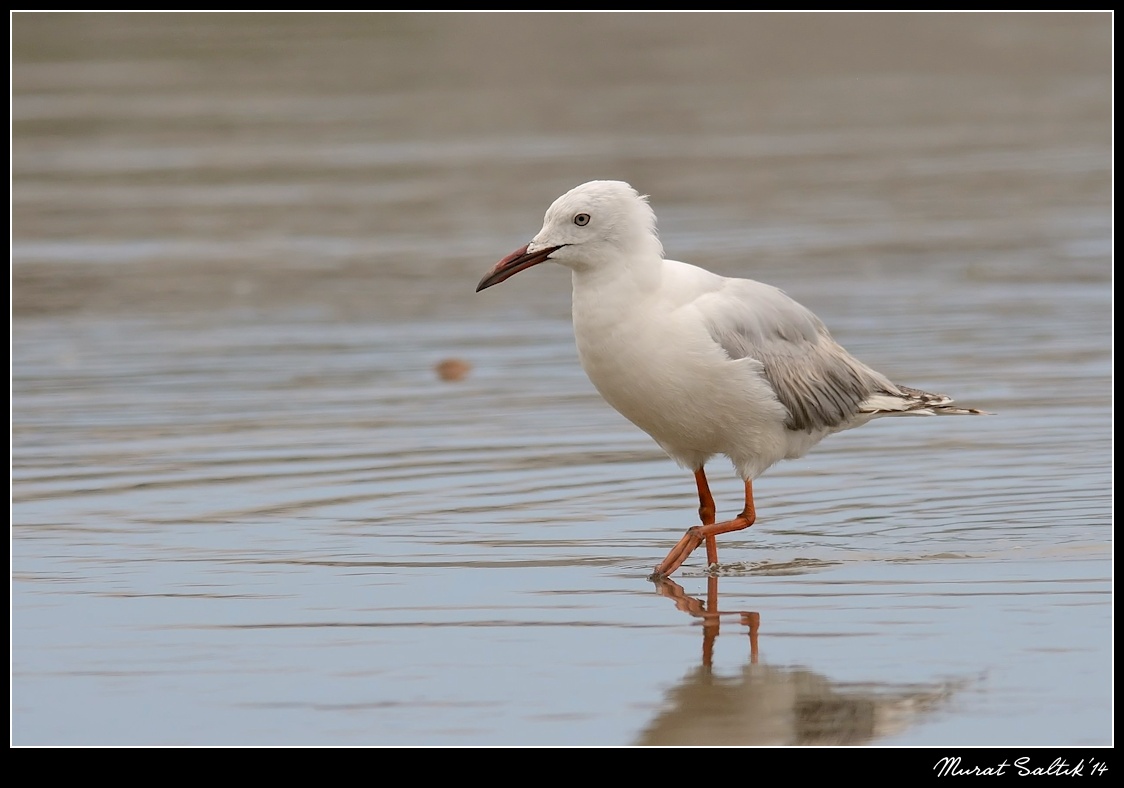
(710, 614)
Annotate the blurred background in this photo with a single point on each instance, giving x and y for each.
(279, 476)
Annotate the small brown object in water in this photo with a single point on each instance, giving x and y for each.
(453, 369)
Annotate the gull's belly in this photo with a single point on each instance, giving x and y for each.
(684, 391)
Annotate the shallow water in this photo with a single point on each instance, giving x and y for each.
(247, 510)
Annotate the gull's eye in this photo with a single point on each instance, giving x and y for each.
(582, 219)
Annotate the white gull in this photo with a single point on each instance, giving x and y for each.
(704, 364)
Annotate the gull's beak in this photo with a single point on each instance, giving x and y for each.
(514, 263)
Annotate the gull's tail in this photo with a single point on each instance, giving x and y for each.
(914, 402)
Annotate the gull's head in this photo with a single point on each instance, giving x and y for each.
(597, 224)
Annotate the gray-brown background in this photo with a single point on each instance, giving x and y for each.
(246, 510)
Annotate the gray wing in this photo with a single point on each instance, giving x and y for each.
(819, 383)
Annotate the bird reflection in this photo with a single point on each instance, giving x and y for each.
(764, 705)
(708, 611)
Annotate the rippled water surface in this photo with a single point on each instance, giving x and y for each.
(248, 510)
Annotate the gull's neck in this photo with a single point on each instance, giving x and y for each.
(615, 287)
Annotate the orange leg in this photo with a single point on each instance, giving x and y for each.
(707, 531)
(707, 511)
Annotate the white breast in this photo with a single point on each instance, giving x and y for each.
(657, 365)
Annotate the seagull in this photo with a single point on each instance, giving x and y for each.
(706, 365)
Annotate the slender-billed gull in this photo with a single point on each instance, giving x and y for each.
(704, 364)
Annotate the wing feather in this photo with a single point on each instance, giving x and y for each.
(820, 384)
